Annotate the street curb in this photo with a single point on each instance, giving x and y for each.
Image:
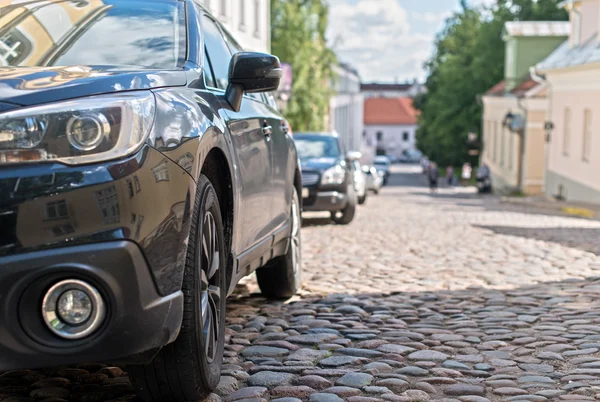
(551, 205)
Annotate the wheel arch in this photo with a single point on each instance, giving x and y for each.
(216, 168)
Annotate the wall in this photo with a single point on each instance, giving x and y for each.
(502, 147)
(346, 110)
(249, 21)
(524, 52)
(577, 89)
(590, 10)
(393, 141)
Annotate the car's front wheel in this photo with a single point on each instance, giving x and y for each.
(281, 278)
(190, 368)
(346, 216)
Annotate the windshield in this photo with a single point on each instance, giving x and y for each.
(95, 32)
(317, 146)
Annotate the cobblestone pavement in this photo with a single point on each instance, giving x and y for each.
(424, 297)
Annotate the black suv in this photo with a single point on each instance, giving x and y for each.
(327, 175)
(143, 171)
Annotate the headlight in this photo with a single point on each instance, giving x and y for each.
(334, 175)
(78, 131)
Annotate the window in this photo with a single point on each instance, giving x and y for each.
(405, 136)
(209, 79)
(161, 172)
(567, 132)
(108, 201)
(57, 210)
(257, 18)
(207, 4)
(138, 187)
(217, 51)
(587, 135)
(62, 230)
(496, 147)
(511, 151)
(242, 14)
(224, 8)
(379, 136)
(503, 146)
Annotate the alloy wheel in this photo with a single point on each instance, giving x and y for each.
(210, 291)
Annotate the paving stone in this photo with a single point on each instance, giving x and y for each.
(325, 398)
(342, 391)
(428, 355)
(509, 391)
(394, 384)
(287, 391)
(270, 379)
(464, 389)
(337, 361)
(246, 393)
(313, 381)
(355, 380)
(264, 351)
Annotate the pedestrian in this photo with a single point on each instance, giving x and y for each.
(433, 174)
(450, 175)
(467, 171)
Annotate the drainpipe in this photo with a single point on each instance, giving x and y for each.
(521, 161)
(542, 81)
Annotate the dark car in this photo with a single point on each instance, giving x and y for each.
(383, 165)
(327, 175)
(143, 171)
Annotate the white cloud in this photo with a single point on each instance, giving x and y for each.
(431, 18)
(377, 38)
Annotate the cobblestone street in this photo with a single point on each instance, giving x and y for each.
(447, 296)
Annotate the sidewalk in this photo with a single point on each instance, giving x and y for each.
(572, 208)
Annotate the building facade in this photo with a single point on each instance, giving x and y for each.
(380, 90)
(514, 110)
(346, 111)
(249, 21)
(572, 73)
(390, 125)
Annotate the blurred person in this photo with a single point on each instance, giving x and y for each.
(467, 172)
(433, 175)
(484, 180)
(450, 175)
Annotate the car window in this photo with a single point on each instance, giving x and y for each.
(209, 78)
(310, 147)
(217, 51)
(109, 32)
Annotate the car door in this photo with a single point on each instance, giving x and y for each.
(250, 141)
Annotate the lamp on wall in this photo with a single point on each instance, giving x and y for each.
(514, 122)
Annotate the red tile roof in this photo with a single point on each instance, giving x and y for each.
(500, 88)
(397, 111)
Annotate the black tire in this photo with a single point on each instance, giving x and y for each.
(346, 216)
(190, 368)
(363, 199)
(281, 278)
(376, 191)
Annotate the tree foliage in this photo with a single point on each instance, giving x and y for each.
(468, 61)
(298, 30)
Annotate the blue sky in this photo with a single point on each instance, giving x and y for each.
(388, 39)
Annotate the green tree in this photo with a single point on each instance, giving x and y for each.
(298, 30)
(468, 61)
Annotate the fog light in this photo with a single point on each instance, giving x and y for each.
(73, 309)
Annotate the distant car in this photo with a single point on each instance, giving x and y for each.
(360, 182)
(382, 164)
(327, 175)
(374, 181)
(411, 156)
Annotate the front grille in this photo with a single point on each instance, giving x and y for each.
(310, 178)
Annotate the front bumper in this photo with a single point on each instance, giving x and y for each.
(138, 320)
(325, 201)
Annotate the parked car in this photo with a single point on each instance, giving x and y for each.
(374, 180)
(327, 175)
(411, 156)
(360, 181)
(141, 179)
(382, 164)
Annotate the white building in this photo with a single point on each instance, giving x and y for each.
(391, 124)
(249, 21)
(379, 90)
(346, 110)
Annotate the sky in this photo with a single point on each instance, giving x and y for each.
(388, 40)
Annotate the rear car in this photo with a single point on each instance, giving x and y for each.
(144, 170)
(374, 181)
(383, 165)
(327, 175)
(360, 180)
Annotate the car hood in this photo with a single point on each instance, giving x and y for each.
(319, 163)
(26, 86)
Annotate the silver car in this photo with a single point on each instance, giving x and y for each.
(374, 180)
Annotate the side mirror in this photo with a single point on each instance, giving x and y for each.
(251, 72)
(353, 156)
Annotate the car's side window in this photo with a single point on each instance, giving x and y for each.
(217, 51)
(209, 78)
